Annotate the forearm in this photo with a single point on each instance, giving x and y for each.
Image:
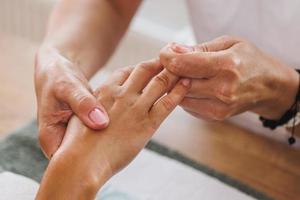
(87, 31)
(74, 172)
(61, 181)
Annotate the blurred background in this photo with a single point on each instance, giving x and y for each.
(22, 27)
(265, 163)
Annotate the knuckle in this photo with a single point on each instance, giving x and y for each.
(226, 38)
(226, 94)
(220, 113)
(141, 112)
(218, 117)
(164, 55)
(168, 103)
(175, 67)
(124, 98)
(102, 90)
(247, 47)
(231, 69)
(62, 85)
(229, 99)
(147, 67)
(83, 101)
(120, 95)
(166, 58)
(126, 71)
(233, 60)
(163, 80)
(203, 47)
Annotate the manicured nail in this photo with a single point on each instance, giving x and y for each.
(186, 82)
(98, 117)
(181, 48)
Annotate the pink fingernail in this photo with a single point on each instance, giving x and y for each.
(181, 48)
(186, 82)
(98, 117)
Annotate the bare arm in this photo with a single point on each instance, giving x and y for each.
(81, 36)
(87, 31)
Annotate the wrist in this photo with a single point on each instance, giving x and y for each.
(93, 167)
(70, 176)
(89, 182)
(283, 94)
(80, 58)
(78, 169)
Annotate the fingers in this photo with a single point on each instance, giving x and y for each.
(54, 114)
(218, 89)
(167, 104)
(200, 61)
(218, 44)
(141, 76)
(209, 109)
(119, 76)
(157, 87)
(202, 88)
(53, 117)
(84, 105)
(197, 115)
(194, 64)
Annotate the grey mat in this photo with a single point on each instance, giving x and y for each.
(20, 153)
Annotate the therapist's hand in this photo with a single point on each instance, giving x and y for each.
(231, 76)
(62, 90)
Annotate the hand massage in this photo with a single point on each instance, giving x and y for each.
(90, 135)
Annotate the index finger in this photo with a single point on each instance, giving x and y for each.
(193, 64)
(141, 75)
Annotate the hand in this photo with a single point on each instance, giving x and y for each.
(62, 90)
(231, 76)
(136, 104)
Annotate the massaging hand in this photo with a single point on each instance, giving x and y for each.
(230, 76)
(62, 90)
(136, 104)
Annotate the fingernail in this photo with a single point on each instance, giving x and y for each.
(186, 82)
(181, 48)
(98, 117)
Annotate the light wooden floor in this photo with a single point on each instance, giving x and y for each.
(267, 165)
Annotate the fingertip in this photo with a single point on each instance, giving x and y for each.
(180, 90)
(181, 48)
(91, 113)
(186, 82)
(98, 119)
(166, 54)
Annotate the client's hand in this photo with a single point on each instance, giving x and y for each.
(136, 104)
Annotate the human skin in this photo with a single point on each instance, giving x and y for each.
(136, 104)
(230, 76)
(81, 36)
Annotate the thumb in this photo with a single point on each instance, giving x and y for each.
(218, 44)
(85, 106)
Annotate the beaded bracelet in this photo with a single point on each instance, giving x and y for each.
(289, 115)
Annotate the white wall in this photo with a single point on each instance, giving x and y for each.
(156, 23)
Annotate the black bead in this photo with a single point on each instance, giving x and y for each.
(292, 140)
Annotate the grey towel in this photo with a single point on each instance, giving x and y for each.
(20, 153)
